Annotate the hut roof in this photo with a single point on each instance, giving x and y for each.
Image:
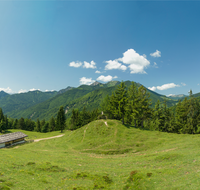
(12, 136)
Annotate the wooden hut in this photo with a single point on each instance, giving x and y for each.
(12, 139)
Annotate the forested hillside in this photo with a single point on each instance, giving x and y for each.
(16, 102)
(89, 96)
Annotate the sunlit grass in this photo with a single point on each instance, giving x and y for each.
(99, 156)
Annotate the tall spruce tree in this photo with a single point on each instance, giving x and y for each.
(37, 127)
(132, 112)
(52, 124)
(119, 101)
(60, 121)
(143, 105)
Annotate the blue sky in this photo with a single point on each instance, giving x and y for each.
(49, 45)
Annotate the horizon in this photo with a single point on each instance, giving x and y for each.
(32, 90)
(47, 45)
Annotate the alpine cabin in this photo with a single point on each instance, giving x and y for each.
(12, 139)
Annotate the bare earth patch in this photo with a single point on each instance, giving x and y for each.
(37, 140)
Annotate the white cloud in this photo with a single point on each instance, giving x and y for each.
(156, 54)
(49, 90)
(75, 64)
(90, 65)
(183, 84)
(97, 71)
(164, 86)
(167, 86)
(106, 78)
(22, 91)
(114, 64)
(153, 88)
(155, 65)
(33, 89)
(86, 81)
(170, 95)
(7, 90)
(137, 63)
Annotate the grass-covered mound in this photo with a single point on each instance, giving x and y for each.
(111, 137)
(155, 160)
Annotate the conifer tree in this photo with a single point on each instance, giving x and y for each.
(143, 105)
(38, 128)
(60, 121)
(119, 101)
(132, 111)
(52, 124)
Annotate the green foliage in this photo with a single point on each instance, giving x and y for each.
(15, 103)
(60, 121)
(35, 106)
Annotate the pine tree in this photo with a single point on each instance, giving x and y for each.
(132, 112)
(38, 128)
(21, 124)
(119, 101)
(52, 124)
(60, 121)
(143, 105)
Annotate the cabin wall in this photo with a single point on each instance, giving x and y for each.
(2, 145)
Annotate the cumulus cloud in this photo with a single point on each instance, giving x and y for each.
(183, 84)
(86, 81)
(114, 64)
(97, 71)
(7, 90)
(33, 89)
(106, 78)
(156, 54)
(136, 62)
(167, 86)
(153, 88)
(90, 65)
(22, 91)
(164, 86)
(170, 95)
(49, 90)
(75, 64)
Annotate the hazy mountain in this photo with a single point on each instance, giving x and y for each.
(3, 94)
(21, 101)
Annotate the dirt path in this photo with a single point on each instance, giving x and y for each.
(84, 134)
(37, 140)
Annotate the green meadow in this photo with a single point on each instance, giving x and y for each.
(100, 156)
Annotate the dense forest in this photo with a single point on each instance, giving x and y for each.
(132, 105)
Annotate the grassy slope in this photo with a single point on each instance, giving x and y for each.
(157, 160)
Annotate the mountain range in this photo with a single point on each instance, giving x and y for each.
(44, 105)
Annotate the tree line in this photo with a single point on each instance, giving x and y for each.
(130, 105)
(54, 124)
(133, 106)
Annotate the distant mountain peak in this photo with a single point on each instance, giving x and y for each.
(65, 90)
(95, 83)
